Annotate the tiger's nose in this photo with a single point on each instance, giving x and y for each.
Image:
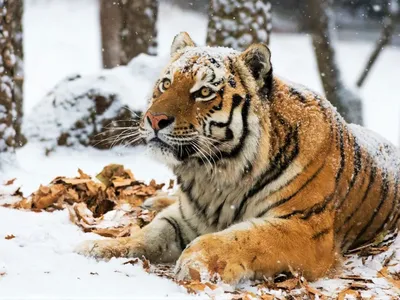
(159, 121)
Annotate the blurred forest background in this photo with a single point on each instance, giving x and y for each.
(331, 46)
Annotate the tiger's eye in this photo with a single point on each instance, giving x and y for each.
(205, 92)
(166, 84)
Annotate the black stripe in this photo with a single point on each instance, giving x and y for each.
(236, 99)
(231, 68)
(187, 221)
(214, 62)
(285, 200)
(178, 233)
(266, 89)
(200, 210)
(393, 208)
(349, 217)
(321, 233)
(356, 170)
(187, 189)
(273, 171)
(384, 194)
(218, 107)
(320, 207)
(277, 166)
(363, 179)
(232, 81)
(297, 94)
(217, 214)
(238, 148)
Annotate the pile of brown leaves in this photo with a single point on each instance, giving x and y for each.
(111, 206)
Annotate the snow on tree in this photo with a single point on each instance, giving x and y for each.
(237, 24)
(98, 110)
(128, 28)
(11, 77)
(320, 19)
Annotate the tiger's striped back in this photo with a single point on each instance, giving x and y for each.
(351, 174)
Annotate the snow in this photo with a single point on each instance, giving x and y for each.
(61, 38)
(40, 263)
(382, 150)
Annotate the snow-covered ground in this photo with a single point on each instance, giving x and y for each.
(62, 37)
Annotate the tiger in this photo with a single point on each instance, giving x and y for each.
(271, 178)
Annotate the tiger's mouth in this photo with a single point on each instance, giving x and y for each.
(180, 152)
(156, 141)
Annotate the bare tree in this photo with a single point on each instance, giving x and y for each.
(383, 41)
(128, 28)
(237, 24)
(320, 21)
(11, 76)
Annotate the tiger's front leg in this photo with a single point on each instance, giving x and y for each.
(163, 240)
(258, 248)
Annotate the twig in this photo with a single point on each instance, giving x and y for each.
(384, 39)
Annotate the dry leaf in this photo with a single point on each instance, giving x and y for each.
(394, 280)
(245, 296)
(108, 232)
(23, 204)
(288, 284)
(10, 237)
(120, 181)
(83, 175)
(131, 262)
(171, 184)
(349, 292)
(194, 274)
(215, 265)
(75, 181)
(194, 287)
(10, 182)
(18, 193)
(358, 286)
(267, 297)
(355, 278)
(110, 171)
(146, 264)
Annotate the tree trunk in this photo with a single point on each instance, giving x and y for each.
(11, 75)
(238, 24)
(128, 28)
(320, 22)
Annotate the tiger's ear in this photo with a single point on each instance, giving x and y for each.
(257, 58)
(182, 40)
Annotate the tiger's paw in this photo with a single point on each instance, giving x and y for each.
(203, 260)
(107, 249)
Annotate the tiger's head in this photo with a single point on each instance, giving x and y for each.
(207, 104)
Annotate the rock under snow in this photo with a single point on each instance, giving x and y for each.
(93, 110)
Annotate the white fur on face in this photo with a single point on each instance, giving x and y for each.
(163, 155)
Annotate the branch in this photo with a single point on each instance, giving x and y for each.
(385, 38)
